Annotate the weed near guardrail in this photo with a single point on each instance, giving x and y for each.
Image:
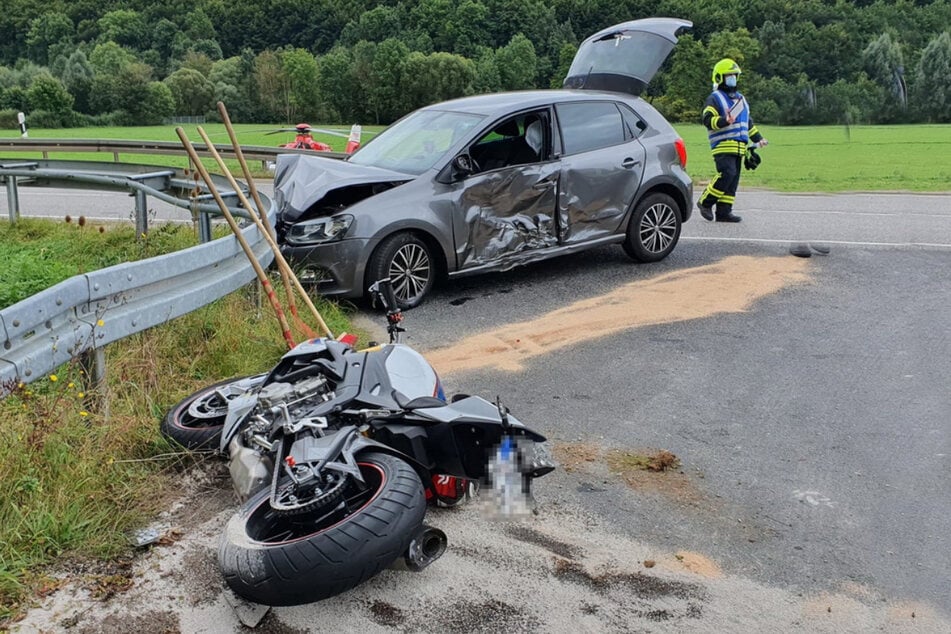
(38, 253)
(76, 483)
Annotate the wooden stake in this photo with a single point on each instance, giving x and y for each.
(282, 265)
(262, 277)
(278, 256)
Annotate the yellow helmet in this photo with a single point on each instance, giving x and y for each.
(725, 66)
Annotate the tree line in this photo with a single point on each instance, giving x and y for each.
(139, 62)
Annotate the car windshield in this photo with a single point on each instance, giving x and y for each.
(417, 142)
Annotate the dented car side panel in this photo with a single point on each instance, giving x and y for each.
(502, 213)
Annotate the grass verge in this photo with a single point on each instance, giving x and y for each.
(77, 482)
(38, 253)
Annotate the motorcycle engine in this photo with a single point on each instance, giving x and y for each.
(276, 398)
(278, 404)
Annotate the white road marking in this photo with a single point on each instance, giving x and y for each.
(819, 241)
(813, 498)
(817, 212)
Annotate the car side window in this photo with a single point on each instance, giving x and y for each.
(518, 140)
(589, 125)
(633, 124)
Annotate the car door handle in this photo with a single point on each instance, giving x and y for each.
(628, 163)
(543, 185)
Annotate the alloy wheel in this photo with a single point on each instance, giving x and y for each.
(658, 227)
(410, 271)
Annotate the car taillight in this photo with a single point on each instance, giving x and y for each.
(681, 152)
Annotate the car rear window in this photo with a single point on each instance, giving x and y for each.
(589, 125)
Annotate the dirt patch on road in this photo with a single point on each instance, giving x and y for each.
(732, 285)
(650, 471)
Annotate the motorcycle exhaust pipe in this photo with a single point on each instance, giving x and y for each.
(427, 545)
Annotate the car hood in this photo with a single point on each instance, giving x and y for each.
(301, 181)
(626, 56)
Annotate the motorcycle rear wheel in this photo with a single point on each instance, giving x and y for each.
(276, 559)
(203, 432)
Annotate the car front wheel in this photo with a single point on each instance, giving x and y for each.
(408, 262)
(654, 229)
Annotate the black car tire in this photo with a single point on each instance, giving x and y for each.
(198, 434)
(409, 264)
(654, 229)
(279, 560)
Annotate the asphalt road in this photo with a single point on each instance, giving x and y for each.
(814, 426)
(812, 423)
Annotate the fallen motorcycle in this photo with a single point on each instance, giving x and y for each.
(334, 454)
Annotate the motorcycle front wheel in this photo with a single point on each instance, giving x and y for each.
(279, 559)
(196, 421)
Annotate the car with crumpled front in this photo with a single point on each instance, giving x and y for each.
(491, 182)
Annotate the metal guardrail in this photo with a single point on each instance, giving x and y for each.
(89, 311)
(117, 147)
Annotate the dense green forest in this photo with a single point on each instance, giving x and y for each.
(84, 62)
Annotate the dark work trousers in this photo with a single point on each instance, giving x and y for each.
(722, 190)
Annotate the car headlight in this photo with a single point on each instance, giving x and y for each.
(319, 230)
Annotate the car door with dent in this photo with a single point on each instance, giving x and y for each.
(506, 209)
(601, 170)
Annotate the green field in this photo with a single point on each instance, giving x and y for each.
(836, 159)
(822, 158)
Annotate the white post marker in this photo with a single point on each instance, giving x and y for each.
(21, 119)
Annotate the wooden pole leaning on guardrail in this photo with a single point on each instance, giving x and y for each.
(286, 272)
(262, 276)
(282, 264)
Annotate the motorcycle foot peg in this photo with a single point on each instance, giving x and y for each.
(427, 545)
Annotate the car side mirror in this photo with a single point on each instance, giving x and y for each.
(463, 166)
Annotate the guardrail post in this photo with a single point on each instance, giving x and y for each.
(141, 214)
(204, 226)
(13, 199)
(93, 363)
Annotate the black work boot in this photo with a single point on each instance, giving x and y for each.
(705, 211)
(725, 214)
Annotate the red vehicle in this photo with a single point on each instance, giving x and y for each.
(305, 140)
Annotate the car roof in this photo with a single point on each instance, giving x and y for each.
(500, 103)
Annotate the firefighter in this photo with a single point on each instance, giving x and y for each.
(726, 115)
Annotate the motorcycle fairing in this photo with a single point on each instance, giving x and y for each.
(458, 437)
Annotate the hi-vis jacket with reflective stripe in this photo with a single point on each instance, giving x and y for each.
(729, 138)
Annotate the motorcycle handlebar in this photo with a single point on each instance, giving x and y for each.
(383, 290)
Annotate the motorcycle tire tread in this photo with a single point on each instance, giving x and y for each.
(326, 563)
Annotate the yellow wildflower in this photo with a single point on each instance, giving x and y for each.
(54, 378)
(100, 323)
(84, 413)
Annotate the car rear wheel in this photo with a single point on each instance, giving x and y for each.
(654, 229)
(408, 262)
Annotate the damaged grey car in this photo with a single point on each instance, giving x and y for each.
(491, 182)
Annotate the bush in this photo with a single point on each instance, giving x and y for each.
(49, 120)
(677, 110)
(8, 119)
